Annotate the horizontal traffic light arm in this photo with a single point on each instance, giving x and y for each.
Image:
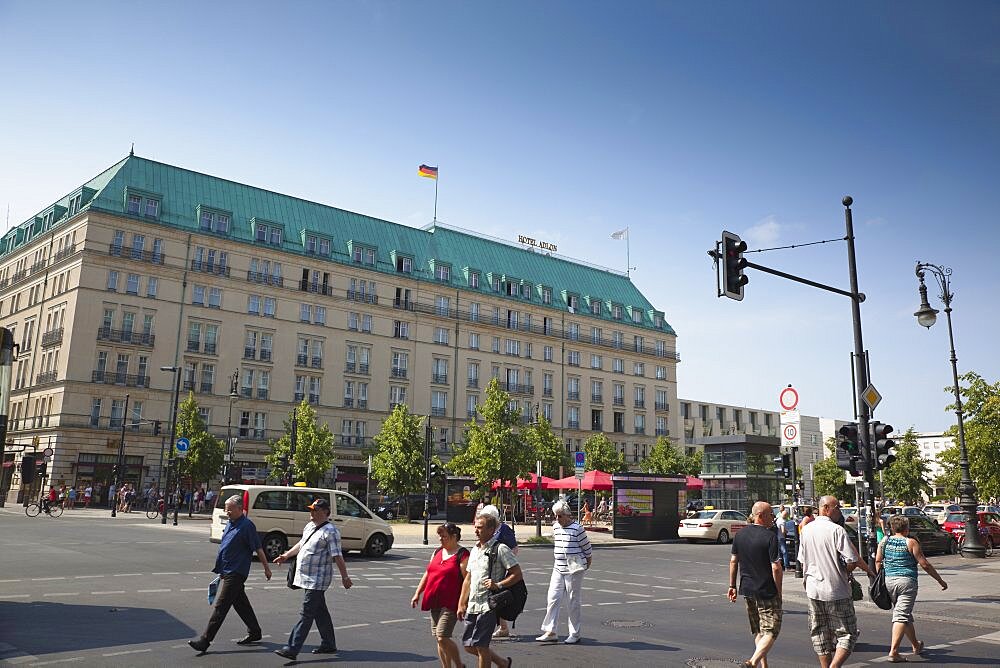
(759, 267)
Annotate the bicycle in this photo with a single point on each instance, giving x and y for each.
(153, 513)
(987, 543)
(51, 508)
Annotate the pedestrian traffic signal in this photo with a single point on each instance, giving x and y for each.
(733, 264)
(156, 427)
(42, 469)
(883, 445)
(783, 466)
(849, 449)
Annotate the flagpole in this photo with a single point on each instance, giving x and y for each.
(435, 199)
(628, 255)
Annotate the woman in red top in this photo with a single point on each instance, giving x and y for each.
(441, 586)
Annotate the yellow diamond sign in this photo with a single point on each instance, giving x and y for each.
(871, 397)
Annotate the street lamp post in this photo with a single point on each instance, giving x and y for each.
(173, 437)
(926, 317)
(230, 445)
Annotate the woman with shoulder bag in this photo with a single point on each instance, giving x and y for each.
(441, 587)
(899, 555)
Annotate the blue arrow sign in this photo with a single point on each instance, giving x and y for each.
(183, 444)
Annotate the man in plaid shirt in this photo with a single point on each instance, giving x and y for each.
(317, 550)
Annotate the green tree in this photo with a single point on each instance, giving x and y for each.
(398, 462)
(545, 447)
(603, 455)
(827, 478)
(665, 459)
(981, 407)
(494, 449)
(205, 456)
(906, 478)
(314, 451)
(952, 473)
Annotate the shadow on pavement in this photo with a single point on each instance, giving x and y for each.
(42, 627)
(636, 645)
(944, 657)
(367, 656)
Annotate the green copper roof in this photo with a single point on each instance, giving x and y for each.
(183, 193)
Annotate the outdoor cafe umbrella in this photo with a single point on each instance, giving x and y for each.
(531, 482)
(592, 481)
(694, 483)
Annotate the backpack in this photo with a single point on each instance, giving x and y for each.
(508, 603)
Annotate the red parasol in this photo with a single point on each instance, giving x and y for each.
(592, 480)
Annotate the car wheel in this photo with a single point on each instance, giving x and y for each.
(377, 545)
(723, 537)
(274, 544)
(952, 546)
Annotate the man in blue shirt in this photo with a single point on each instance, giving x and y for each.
(239, 542)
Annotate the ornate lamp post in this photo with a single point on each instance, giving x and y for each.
(230, 444)
(927, 316)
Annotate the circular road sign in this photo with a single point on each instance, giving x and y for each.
(48, 452)
(183, 444)
(790, 431)
(789, 398)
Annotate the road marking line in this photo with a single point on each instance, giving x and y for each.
(658, 600)
(84, 577)
(611, 603)
(663, 587)
(49, 663)
(351, 626)
(9, 580)
(46, 579)
(167, 573)
(130, 651)
(942, 645)
(192, 589)
(388, 586)
(103, 593)
(151, 591)
(631, 593)
(609, 591)
(194, 573)
(127, 575)
(396, 621)
(617, 582)
(13, 596)
(695, 591)
(64, 593)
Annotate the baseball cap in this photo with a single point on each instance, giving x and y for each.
(319, 504)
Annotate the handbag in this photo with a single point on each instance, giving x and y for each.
(509, 602)
(857, 593)
(213, 589)
(879, 592)
(294, 561)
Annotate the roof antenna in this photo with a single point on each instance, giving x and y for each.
(131, 151)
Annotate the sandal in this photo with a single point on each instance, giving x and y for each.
(896, 658)
(919, 649)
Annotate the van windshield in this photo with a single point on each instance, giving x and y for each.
(224, 494)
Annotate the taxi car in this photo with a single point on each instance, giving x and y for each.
(714, 525)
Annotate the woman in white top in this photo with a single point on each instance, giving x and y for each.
(572, 556)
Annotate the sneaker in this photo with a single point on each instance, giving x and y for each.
(501, 632)
(571, 640)
(547, 637)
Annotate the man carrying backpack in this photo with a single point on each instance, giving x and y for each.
(480, 582)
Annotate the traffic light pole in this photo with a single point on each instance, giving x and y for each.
(427, 476)
(119, 472)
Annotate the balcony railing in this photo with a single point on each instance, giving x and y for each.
(619, 401)
(249, 353)
(364, 297)
(52, 338)
(440, 378)
(573, 396)
(314, 399)
(262, 393)
(193, 346)
(267, 279)
(640, 430)
(472, 413)
(547, 392)
(363, 403)
(210, 348)
(64, 253)
(316, 362)
(573, 424)
(154, 257)
(205, 388)
(472, 382)
(404, 304)
(516, 388)
(189, 385)
(436, 411)
(596, 398)
(350, 367)
(301, 360)
(398, 373)
(125, 336)
(113, 378)
(47, 377)
(265, 355)
(596, 426)
(299, 396)
(662, 406)
(662, 432)
(205, 267)
(348, 402)
(363, 369)
(640, 403)
(318, 288)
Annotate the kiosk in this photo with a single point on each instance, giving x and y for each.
(647, 506)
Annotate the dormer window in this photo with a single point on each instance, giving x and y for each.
(473, 279)
(496, 284)
(363, 255)
(636, 315)
(442, 272)
(526, 290)
(134, 204)
(267, 233)
(595, 306)
(404, 265)
(616, 312)
(152, 208)
(573, 302)
(317, 245)
(213, 221)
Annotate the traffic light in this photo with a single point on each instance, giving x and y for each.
(42, 469)
(156, 427)
(27, 468)
(849, 449)
(883, 445)
(783, 466)
(733, 264)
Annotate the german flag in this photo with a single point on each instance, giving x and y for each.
(427, 171)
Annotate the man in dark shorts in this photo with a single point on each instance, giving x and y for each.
(756, 554)
(480, 621)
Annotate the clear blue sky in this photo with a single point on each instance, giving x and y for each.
(567, 121)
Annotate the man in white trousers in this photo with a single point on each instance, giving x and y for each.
(572, 555)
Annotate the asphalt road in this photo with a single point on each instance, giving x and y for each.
(125, 592)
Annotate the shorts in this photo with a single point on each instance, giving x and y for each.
(443, 622)
(765, 615)
(833, 625)
(903, 592)
(479, 629)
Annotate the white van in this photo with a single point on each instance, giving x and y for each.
(280, 514)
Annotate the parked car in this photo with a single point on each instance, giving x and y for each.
(932, 538)
(394, 508)
(989, 525)
(940, 511)
(716, 525)
(280, 513)
(988, 509)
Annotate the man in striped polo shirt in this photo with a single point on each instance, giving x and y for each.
(572, 555)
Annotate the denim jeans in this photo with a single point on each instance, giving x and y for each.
(313, 608)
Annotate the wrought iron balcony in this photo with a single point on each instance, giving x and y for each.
(662, 432)
(640, 430)
(214, 268)
(437, 411)
(193, 346)
(64, 253)
(249, 353)
(113, 378)
(573, 396)
(619, 401)
(262, 393)
(301, 360)
(210, 348)
(314, 399)
(350, 367)
(265, 354)
(517, 388)
(299, 396)
(348, 402)
(596, 398)
(188, 386)
(52, 337)
(265, 278)
(363, 403)
(363, 369)
(363, 297)
(662, 406)
(398, 372)
(440, 378)
(640, 403)
(126, 336)
(547, 392)
(472, 382)
(573, 424)
(316, 362)
(205, 388)
(47, 377)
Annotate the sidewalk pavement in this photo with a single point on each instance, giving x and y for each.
(411, 535)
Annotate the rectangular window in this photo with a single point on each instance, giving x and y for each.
(132, 284)
(636, 316)
(269, 305)
(198, 295)
(661, 373)
(473, 341)
(112, 280)
(546, 295)
(253, 304)
(638, 369)
(400, 329)
(215, 298)
(152, 283)
(596, 361)
(547, 354)
(496, 344)
(573, 357)
(152, 207)
(319, 317)
(617, 365)
(442, 273)
(134, 203)
(473, 279)
(441, 335)
(474, 312)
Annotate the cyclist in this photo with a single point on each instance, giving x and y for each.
(50, 499)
